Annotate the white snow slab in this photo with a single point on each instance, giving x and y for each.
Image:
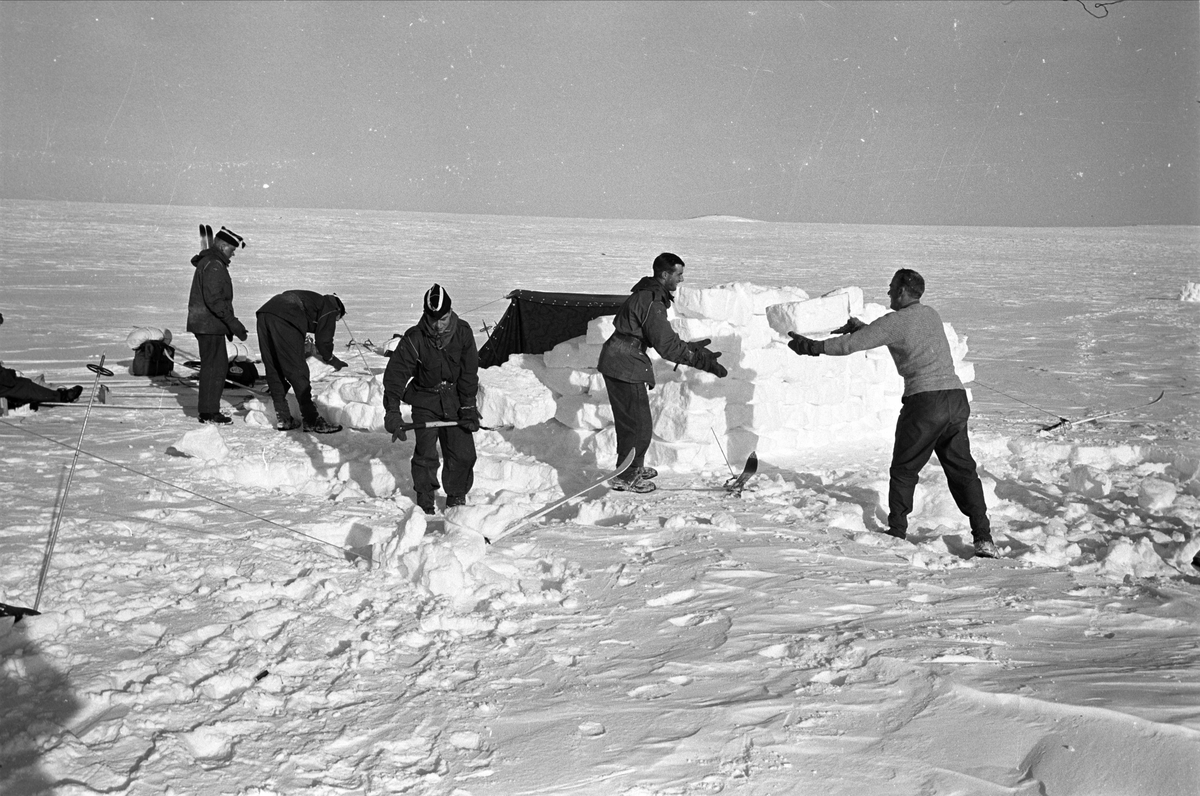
(599, 330)
(816, 316)
(574, 353)
(1155, 494)
(203, 443)
(511, 395)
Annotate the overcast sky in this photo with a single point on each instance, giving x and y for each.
(1028, 113)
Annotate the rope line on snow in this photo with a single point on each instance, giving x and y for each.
(339, 548)
(1018, 400)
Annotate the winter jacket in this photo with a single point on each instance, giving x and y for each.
(640, 323)
(311, 313)
(8, 378)
(916, 339)
(438, 374)
(210, 302)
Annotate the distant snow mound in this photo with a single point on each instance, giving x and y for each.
(1190, 292)
(725, 218)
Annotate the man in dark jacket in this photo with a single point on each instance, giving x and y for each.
(282, 323)
(628, 374)
(933, 417)
(435, 369)
(211, 319)
(19, 391)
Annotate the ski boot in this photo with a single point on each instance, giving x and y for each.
(321, 426)
(286, 422)
(638, 484)
(69, 395)
(215, 418)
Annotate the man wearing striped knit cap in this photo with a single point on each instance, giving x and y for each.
(934, 412)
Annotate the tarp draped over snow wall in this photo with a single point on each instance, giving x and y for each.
(536, 322)
(773, 401)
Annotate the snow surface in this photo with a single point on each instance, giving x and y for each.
(236, 610)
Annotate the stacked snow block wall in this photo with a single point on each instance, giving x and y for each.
(773, 401)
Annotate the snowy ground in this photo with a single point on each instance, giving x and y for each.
(208, 626)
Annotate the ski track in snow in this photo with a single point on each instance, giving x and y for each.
(683, 642)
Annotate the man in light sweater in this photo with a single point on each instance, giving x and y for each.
(933, 418)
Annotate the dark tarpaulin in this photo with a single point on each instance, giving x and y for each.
(536, 322)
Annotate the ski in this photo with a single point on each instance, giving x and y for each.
(1064, 422)
(203, 239)
(524, 521)
(735, 485)
(208, 236)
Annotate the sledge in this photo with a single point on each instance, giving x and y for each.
(521, 524)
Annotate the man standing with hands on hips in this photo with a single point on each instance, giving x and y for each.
(212, 321)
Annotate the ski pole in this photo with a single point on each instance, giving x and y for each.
(722, 450)
(352, 342)
(99, 370)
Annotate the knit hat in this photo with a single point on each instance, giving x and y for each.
(231, 237)
(437, 301)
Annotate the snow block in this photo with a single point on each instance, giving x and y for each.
(574, 354)
(1157, 495)
(513, 396)
(730, 303)
(815, 316)
(1089, 481)
(599, 330)
(583, 411)
(204, 443)
(681, 415)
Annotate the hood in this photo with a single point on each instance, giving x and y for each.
(657, 288)
(426, 325)
(210, 252)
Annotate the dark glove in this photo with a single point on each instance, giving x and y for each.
(805, 346)
(468, 418)
(706, 361)
(238, 330)
(336, 363)
(696, 344)
(850, 326)
(393, 421)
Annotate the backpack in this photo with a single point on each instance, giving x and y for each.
(152, 358)
(242, 371)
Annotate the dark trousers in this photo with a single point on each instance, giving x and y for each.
(630, 402)
(22, 391)
(282, 349)
(458, 446)
(935, 422)
(214, 367)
